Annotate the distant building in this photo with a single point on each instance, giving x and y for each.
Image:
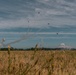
(63, 46)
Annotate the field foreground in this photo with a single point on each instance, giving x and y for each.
(38, 63)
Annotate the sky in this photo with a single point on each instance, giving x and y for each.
(24, 23)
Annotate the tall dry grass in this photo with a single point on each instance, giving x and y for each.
(38, 63)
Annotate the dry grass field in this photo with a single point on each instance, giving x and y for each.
(38, 62)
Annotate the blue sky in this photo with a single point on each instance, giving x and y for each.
(38, 21)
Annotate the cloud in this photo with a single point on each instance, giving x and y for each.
(18, 13)
(70, 0)
(56, 12)
(39, 33)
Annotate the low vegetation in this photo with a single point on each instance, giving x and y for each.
(38, 62)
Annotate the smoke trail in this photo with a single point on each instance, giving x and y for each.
(24, 37)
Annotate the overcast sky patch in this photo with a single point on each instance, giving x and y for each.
(17, 13)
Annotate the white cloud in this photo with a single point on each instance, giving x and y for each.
(46, 0)
(56, 12)
(44, 33)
